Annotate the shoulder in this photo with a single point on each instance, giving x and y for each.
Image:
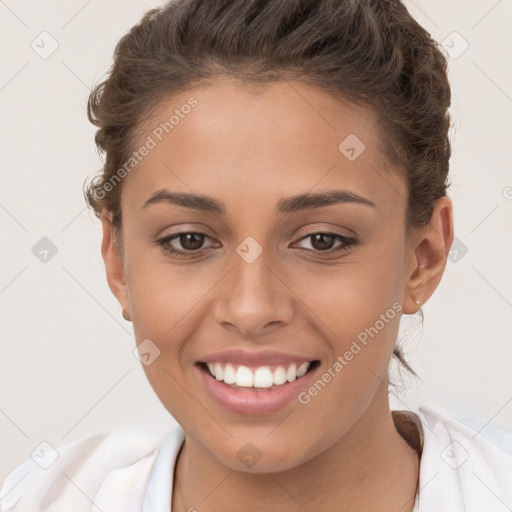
(79, 474)
(464, 466)
(479, 433)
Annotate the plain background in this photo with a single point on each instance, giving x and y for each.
(67, 370)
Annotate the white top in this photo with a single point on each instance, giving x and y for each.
(126, 471)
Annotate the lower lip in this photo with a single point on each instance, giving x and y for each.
(252, 402)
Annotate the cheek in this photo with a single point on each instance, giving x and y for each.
(357, 308)
(164, 294)
(353, 295)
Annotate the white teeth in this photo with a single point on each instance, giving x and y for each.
(229, 374)
(279, 376)
(303, 368)
(244, 377)
(262, 377)
(291, 373)
(219, 373)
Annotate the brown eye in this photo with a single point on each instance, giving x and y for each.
(325, 242)
(186, 243)
(191, 241)
(322, 241)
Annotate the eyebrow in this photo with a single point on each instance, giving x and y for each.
(291, 204)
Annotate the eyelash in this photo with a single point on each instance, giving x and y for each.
(348, 243)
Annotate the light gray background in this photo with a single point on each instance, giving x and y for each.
(66, 368)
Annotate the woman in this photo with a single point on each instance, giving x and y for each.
(273, 200)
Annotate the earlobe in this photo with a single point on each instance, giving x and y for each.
(429, 255)
(114, 266)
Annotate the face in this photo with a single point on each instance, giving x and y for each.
(294, 257)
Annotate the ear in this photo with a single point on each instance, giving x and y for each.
(114, 266)
(430, 246)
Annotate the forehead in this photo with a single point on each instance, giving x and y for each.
(228, 139)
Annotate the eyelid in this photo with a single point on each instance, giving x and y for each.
(346, 244)
(346, 241)
(172, 236)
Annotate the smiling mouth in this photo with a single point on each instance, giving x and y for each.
(260, 378)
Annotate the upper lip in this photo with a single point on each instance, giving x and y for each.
(243, 357)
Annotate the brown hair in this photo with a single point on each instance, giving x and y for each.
(370, 52)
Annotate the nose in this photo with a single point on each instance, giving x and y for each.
(254, 299)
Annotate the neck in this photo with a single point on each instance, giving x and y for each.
(370, 468)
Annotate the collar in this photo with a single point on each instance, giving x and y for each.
(458, 468)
